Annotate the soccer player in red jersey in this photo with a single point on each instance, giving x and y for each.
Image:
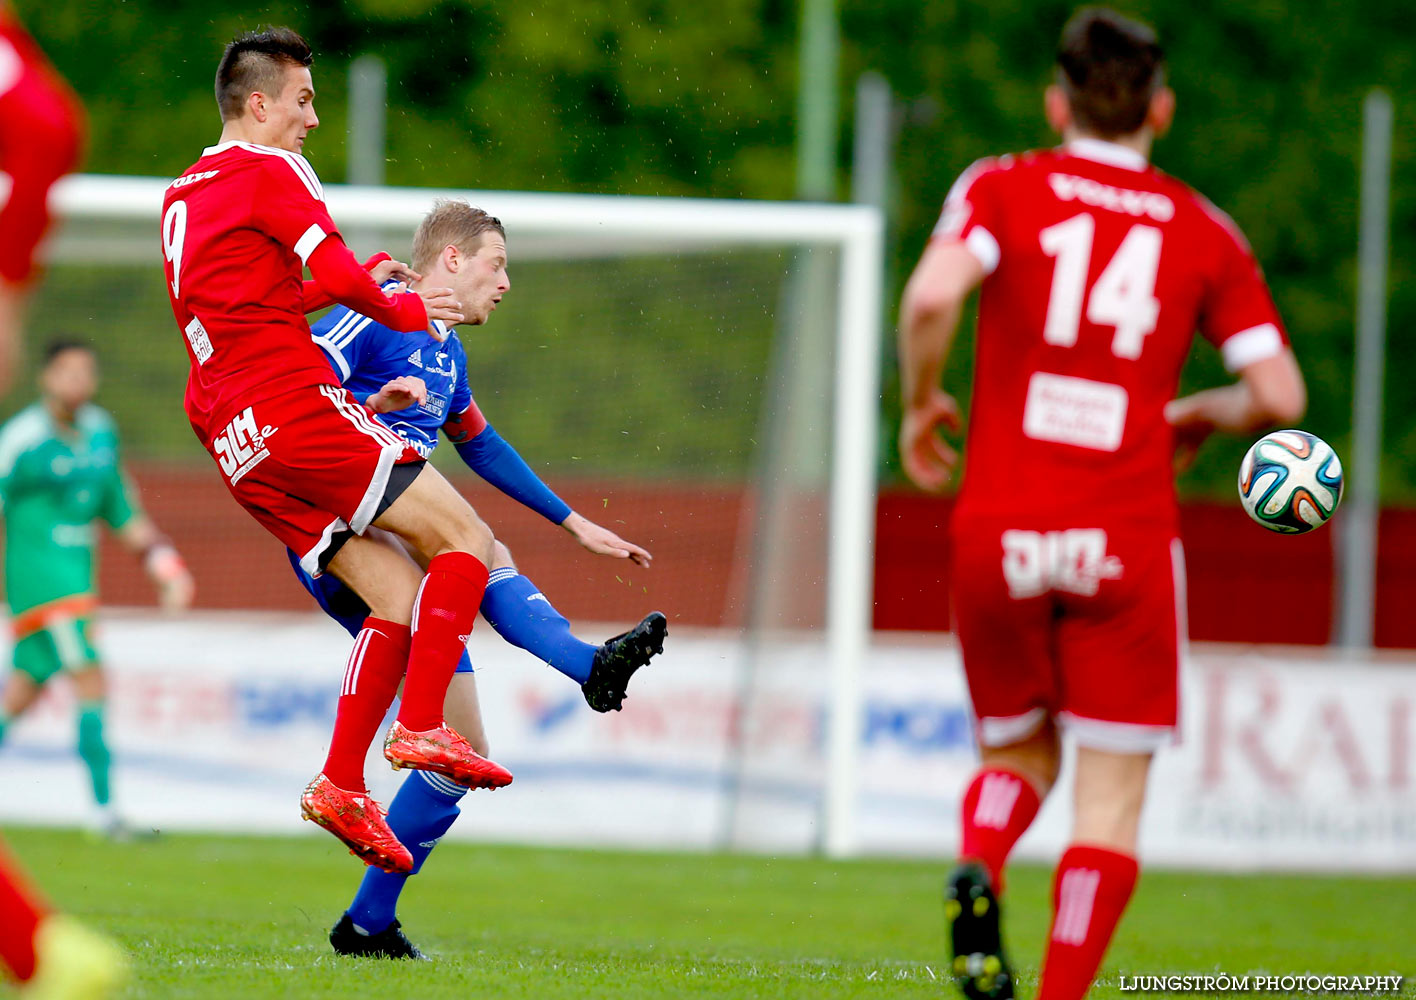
(40, 136)
(302, 455)
(1095, 271)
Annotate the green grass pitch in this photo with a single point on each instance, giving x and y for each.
(206, 916)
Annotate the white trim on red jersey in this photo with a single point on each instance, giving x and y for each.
(298, 163)
(11, 67)
(1111, 153)
(1242, 349)
(307, 243)
(984, 246)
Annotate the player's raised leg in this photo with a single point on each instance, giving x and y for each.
(338, 798)
(1097, 873)
(421, 813)
(434, 518)
(523, 616)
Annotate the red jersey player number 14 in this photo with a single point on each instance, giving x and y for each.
(1099, 269)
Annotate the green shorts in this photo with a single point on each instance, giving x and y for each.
(64, 644)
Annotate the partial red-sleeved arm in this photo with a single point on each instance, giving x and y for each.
(316, 297)
(339, 275)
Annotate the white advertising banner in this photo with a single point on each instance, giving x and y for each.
(1285, 760)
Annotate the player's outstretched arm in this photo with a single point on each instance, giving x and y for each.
(343, 279)
(381, 267)
(604, 542)
(164, 564)
(496, 461)
(929, 314)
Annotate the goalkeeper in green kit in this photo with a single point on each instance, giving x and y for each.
(59, 474)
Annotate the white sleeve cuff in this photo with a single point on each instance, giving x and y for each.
(335, 355)
(306, 244)
(982, 245)
(1247, 346)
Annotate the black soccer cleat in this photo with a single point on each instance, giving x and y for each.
(979, 966)
(387, 943)
(617, 659)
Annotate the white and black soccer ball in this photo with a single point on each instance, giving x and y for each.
(1290, 481)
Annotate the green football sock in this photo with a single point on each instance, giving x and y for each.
(93, 749)
(4, 724)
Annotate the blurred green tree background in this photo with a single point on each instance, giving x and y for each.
(670, 97)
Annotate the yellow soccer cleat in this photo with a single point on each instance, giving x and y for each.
(74, 963)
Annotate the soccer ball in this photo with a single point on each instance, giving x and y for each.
(1290, 481)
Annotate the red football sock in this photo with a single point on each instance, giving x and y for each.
(998, 808)
(20, 914)
(376, 665)
(1091, 890)
(443, 615)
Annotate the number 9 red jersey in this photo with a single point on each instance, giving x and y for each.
(237, 229)
(1099, 270)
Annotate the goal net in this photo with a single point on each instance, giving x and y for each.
(699, 376)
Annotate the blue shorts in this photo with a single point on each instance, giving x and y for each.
(345, 606)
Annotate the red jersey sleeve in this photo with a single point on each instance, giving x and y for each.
(314, 297)
(973, 212)
(1238, 315)
(289, 205)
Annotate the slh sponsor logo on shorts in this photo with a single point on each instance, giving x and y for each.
(1073, 561)
(241, 446)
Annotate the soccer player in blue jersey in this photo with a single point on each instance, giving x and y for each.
(418, 385)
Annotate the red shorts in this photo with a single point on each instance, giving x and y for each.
(313, 466)
(1083, 625)
(40, 134)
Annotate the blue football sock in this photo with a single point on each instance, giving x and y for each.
(524, 617)
(420, 813)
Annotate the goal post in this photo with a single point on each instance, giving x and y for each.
(122, 213)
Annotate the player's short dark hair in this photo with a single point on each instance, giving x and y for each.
(256, 61)
(452, 222)
(1109, 67)
(62, 345)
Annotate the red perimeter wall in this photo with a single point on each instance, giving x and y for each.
(1245, 584)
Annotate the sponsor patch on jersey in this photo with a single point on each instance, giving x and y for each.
(441, 359)
(182, 182)
(435, 403)
(1098, 195)
(241, 446)
(201, 343)
(1075, 411)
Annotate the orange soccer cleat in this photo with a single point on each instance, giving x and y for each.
(356, 819)
(444, 751)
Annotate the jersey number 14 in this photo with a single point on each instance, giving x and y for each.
(1123, 296)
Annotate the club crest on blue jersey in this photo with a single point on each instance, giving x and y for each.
(366, 355)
